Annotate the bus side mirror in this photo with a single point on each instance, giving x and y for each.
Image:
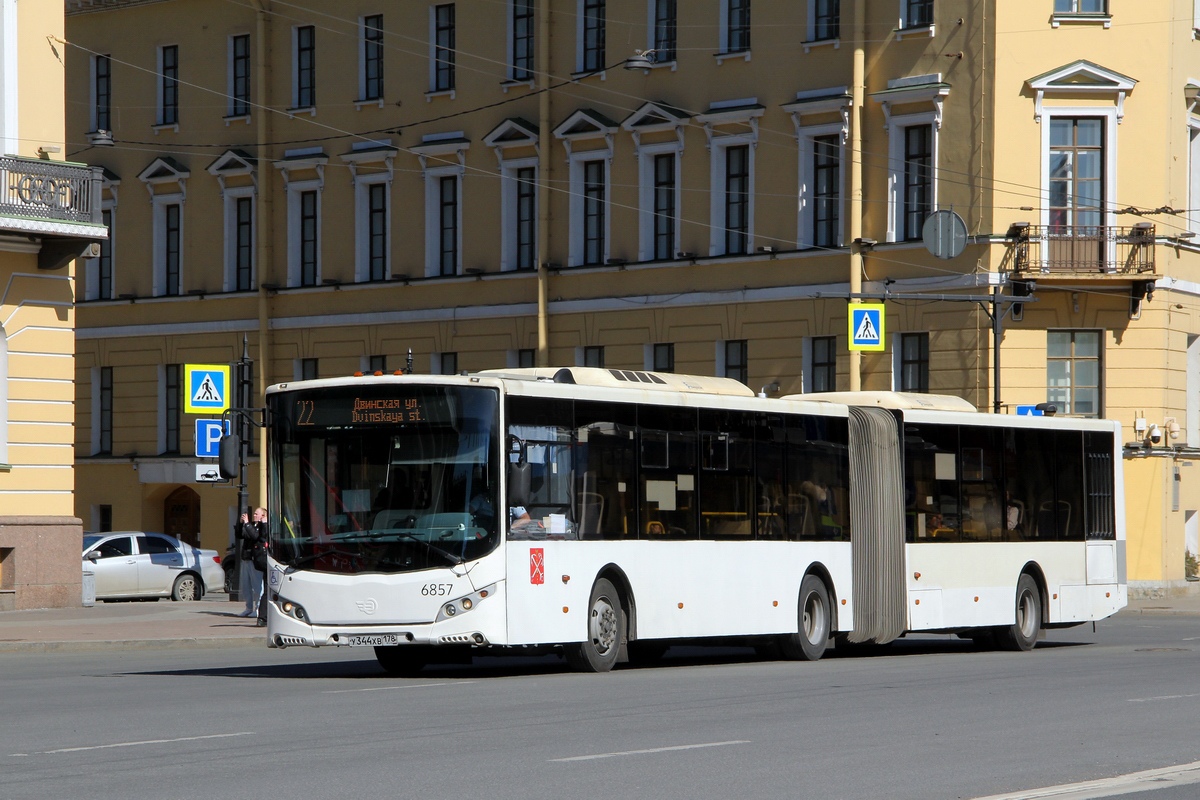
(518, 483)
(229, 451)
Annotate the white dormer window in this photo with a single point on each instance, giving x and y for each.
(731, 129)
(166, 181)
(443, 162)
(587, 136)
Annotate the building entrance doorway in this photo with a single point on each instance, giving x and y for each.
(181, 515)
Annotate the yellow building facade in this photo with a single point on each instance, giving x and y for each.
(48, 217)
(695, 187)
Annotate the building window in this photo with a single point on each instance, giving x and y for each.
(243, 243)
(917, 13)
(526, 357)
(371, 56)
(593, 356)
(101, 93)
(595, 226)
(105, 519)
(168, 85)
(1073, 370)
(522, 43)
(377, 231)
(1080, 6)
(103, 382)
(170, 409)
(827, 19)
(168, 259)
(592, 35)
(914, 362)
(663, 358)
(823, 369)
(737, 199)
(1076, 175)
(447, 363)
(827, 197)
(665, 198)
(526, 218)
(736, 24)
(309, 244)
(917, 197)
(665, 24)
(104, 264)
(735, 359)
(448, 225)
(377, 364)
(443, 48)
(304, 67)
(307, 369)
(239, 76)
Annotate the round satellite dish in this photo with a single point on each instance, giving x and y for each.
(945, 234)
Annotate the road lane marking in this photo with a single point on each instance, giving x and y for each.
(390, 688)
(1160, 697)
(1164, 777)
(651, 750)
(135, 744)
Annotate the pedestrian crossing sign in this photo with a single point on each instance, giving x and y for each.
(866, 326)
(206, 388)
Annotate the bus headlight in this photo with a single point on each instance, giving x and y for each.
(464, 604)
(293, 610)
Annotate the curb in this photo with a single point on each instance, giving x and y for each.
(131, 644)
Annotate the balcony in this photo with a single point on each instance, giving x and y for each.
(56, 202)
(1082, 251)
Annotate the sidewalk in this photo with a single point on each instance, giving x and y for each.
(214, 622)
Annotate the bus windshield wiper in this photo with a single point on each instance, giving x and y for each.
(297, 562)
(450, 557)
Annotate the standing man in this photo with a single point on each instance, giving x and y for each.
(252, 535)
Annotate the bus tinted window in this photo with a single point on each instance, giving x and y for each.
(546, 432)
(982, 485)
(667, 479)
(606, 468)
(727, 494)
(931, 473)
(1101, 509)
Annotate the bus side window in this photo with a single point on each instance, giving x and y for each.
(606, 470)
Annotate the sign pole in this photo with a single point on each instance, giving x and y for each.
(242, 382)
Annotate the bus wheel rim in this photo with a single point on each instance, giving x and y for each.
(814, 617)
(603, 625)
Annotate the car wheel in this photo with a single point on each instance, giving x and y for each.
(187, 587)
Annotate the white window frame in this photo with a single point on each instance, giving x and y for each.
(452, 91)
(721, 144)
(160, 86)
(159, 241)
(723, 34)
(230, 116)
(231, 196)
(91, 266)
(1111, 117)
(1193, 178)
(508, 209)
(3, 396)
(646, 154)
(1192, 390)
(9, 107)
(294, 190)
(362, 224)
(909, 29)
(896, 126)
(97, 406)
(510, 38)
(811, 37)
(312, 109)
(577, 207)
(433, 219)
(580, 63)
(362, 64)
(161, 409)
(805, 180)
(93, 107)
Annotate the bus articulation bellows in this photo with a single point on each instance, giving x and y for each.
(608, 513)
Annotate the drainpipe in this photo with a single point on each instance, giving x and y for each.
(265, 229)
(858, 93)
(542, 66)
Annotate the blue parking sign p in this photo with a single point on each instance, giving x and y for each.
(208, 437)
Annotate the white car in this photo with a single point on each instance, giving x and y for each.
(133, 564)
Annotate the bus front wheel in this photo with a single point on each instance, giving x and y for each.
(605, 629)
(1023, 634)
(815, 620)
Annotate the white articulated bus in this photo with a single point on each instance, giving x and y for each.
(609, 513)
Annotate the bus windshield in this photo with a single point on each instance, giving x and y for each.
(383, 479)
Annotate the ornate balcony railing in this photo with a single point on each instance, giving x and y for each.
(49, 190)
(1083, 249)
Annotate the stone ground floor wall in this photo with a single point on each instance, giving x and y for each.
(40, 562)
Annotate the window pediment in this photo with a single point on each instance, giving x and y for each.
(1081, 77)
(512, 132)
(165, 171)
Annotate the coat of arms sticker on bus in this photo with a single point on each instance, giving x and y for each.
(537, 565)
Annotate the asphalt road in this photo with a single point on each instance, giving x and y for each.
(933, 718)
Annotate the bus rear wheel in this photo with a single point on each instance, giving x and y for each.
(402, 660)
(1022, 634)
(815, 620)
(605, 630)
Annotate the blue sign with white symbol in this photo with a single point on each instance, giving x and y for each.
(207, 388)
(866, 326)
(208, 437)
(1029, 411)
